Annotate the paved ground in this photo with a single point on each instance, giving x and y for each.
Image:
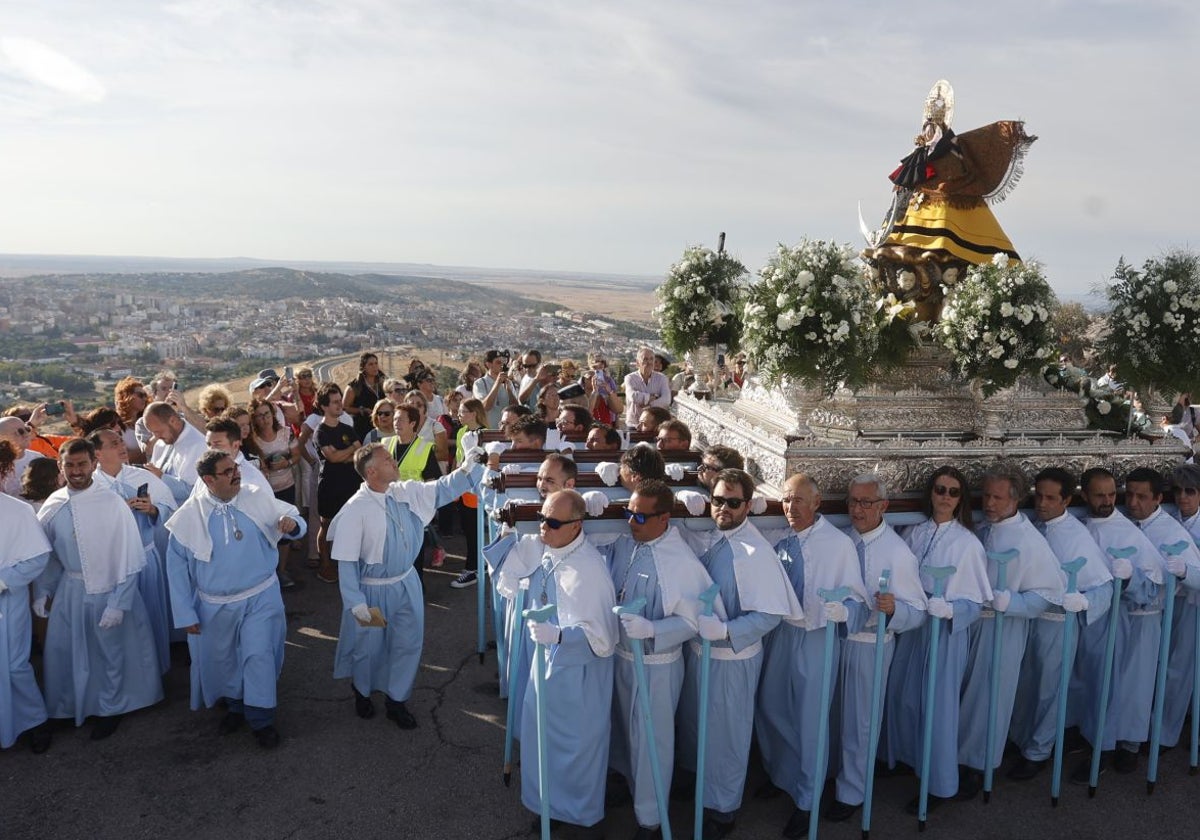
(166, 773)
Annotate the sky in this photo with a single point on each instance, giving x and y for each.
(599, 137)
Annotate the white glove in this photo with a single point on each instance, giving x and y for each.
(938, 608)
(111, 618)
(758, 505)
(39, 608)
(1001, 598)
(1074, 602)
(712, 628)
(693, 500)
(608, 472)
(595, 502)
(544, 633)
(636, 626)
(471, 455)
(470, 440)
(361, 612)
(836, 612)
(496, 447)
(566, 448)
(1177, 566)
(511, 469)
(506, 529)
(1122, 569)
(675, 471)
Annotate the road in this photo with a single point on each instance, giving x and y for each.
(166, 772)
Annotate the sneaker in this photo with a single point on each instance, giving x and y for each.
(285, 581)
(464, 580)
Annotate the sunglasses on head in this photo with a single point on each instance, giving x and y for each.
(725, 501)
(639, 518)
(947, 490)
(554, 524)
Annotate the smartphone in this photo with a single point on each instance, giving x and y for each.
(143, 491)
(287, 372)
(55, 409)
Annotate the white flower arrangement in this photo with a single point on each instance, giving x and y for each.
(811, 316)
(1154, 322)
(700, 299)
(996, 322)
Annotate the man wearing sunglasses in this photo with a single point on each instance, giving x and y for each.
(1034, 582)
(815, 556)
(755, 596)
(1035, 711)
(653, 562)
(564, 569)
(1143, 497)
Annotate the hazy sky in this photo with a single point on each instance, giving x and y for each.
(602, 136)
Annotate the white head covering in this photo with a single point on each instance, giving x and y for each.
(950, 544)
(1035, 568)
(762, 584)
(23, 537)
(1069, 538)
(189, 525)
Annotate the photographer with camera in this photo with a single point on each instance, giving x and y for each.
(495, 388)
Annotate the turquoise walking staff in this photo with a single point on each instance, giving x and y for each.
(1194, 756)
(514, 672)
(1001, 559)
(940, 575)
(480, 610)
(1110, 650)
(635, 607)
(540, 614)
(707, 597)
(1070, 625)
(885, 579)
(829, 596)
(1164, 649)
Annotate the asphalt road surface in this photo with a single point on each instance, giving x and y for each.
(167, 773)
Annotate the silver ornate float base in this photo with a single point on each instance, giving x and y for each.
(904, 429)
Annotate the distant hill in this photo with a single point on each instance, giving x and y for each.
(276, 283)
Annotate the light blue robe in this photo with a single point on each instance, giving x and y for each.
(152, 580)
(1135, 659)
(788, 707)
(388, 658)
(1181, 662)
(21, 704)
(1036, 563)
(87, 670)
(635, 575)
(1035, 709)
(949, 545)
(238, 653)
(579, 690)
(851, 736)
(732, 685)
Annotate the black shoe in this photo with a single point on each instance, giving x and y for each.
(970, 782)
(617, 793)
(1125, 761)
(402, 716)
(644, 833)
(683, 788)
(39, 739)
(712, 829)
(363, 707)
(767, 790)
(797, 824)
(1025, 769)
(104, 727)
(1082, 774)
(838, 811)
(267, 737)
(932, 804)
(231, 723)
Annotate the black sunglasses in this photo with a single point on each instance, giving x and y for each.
(639, 518)
(732, 504)
(946, 490)
(554, 524)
